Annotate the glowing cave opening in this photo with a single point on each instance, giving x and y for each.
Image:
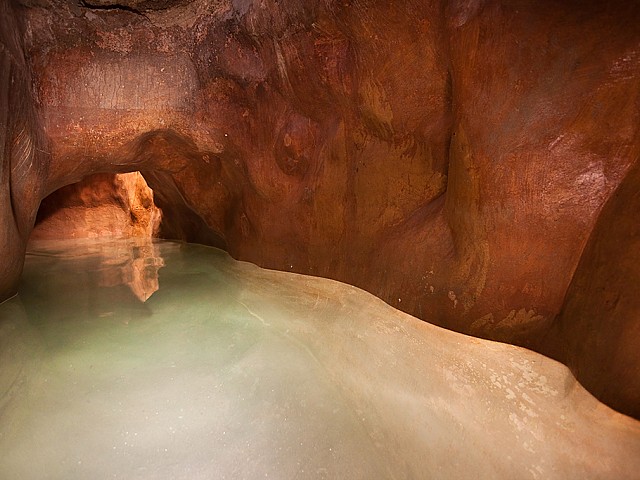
(118, 205)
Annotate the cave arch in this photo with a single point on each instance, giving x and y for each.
(121, 205)
(100, 205)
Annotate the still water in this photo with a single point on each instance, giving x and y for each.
(136, 360)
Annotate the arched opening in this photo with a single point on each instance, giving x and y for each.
(122, 205)
(101, 205)
(107, 206)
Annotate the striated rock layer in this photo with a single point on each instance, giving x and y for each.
(450, 157)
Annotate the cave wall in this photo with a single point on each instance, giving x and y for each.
(597, 332)
(450, 157)
(23, 161)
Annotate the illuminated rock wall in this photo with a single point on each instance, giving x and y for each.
(102, 205)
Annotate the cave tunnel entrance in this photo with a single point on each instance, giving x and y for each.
(100, 205)
(122, 205)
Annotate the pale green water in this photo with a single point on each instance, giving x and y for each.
(231, 371)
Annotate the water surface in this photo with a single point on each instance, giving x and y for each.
(137, 360)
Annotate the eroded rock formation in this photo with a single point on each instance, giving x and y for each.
(450, 157)
(114, 205)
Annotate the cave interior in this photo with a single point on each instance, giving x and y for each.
(473, 163)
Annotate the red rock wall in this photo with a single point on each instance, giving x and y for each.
(450, 157)
(547, 126)
(598, 331)
(22, 150)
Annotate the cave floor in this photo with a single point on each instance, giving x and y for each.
(139, 360)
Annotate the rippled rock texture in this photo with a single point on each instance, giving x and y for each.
(450, 157)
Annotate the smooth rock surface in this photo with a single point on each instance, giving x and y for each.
(232, 371)
(600, 316)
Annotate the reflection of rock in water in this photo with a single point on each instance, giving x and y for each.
(144, 272)
(109, 206)
(136, 266)
(20, 349)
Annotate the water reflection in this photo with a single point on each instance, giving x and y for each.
(133, 262)
(135, 265)
(20, 349)
(240, 372)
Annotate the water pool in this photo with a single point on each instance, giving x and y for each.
(137, 360)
